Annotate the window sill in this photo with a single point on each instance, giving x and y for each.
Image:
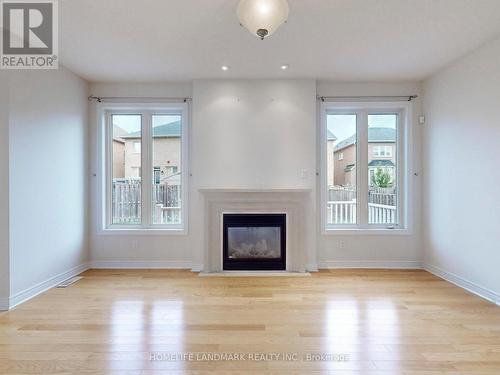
(367, 232)
(143, 232)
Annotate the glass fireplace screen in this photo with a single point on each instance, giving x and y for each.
(254, 242)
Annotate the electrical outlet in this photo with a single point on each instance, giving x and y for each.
(135, 244)
(304, 174)
(341, 245)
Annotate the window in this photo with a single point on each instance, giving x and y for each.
(382, 187)
(171, 170)
(383, 151)
(146, 153)
(156, 175)
(341, 195)
(167, 151)
(371, 139)
(135, 172)
(126, 175)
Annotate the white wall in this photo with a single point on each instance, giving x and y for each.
(336, 250)
(4, 190)
(254, 133)
(48, 176)
(462, 170)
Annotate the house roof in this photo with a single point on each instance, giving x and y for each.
(118, 133)
(170, 130)
(346, 142)
(375, 135)
(381, 135)
(330, 135)
(381, 163)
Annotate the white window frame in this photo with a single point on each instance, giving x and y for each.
(403, 164)
(105, 110)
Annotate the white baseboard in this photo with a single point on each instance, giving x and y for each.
(35, 290)
(147, 264)
(4, 304)
(375, 264)
(312, 267)
(197, 267)
(463, 283)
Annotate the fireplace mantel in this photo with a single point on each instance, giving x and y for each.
(297, 203)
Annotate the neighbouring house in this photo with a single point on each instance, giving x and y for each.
(118, 158)
(330, 146)
(381, 155)
(166, 154)
(118, 152)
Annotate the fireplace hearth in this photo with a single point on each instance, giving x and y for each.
(254, 242)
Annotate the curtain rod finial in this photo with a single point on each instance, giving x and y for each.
(96, 98)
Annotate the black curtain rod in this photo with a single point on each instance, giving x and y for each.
(408, 98)
(100, 99)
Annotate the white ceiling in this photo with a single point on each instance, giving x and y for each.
(343, 40)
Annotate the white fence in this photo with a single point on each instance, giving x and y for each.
(167, 208)
(381, 214)
(340, 212)
(166, 215)
(126, 203)
(341, 205)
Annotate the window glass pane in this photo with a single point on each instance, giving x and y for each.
(341, 169)
(167, 198)
(126, 162)
(382, 169)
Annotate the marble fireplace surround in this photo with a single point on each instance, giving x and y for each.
(295, 203)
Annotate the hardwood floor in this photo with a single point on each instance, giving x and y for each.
(366, 321)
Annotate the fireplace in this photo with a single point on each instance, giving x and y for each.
(254, 242)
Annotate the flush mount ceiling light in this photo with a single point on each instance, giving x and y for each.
(262, 17)
(224, 67)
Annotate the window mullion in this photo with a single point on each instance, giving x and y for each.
(146, 169)
(362, 169)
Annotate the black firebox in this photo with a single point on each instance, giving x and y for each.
(254, 242)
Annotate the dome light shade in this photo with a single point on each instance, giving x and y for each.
(262, 17)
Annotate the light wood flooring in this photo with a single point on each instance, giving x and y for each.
(362, 321)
